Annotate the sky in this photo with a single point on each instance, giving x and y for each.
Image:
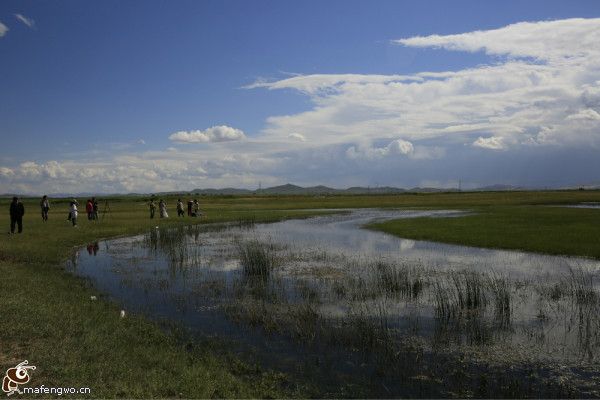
(148, 96)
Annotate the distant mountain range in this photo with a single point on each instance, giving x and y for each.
(289, 189)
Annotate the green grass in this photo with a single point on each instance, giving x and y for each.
(551, 230)
(48, 318)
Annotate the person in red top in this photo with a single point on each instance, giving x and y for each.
(89, 208)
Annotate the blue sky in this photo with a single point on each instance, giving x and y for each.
(119, 96)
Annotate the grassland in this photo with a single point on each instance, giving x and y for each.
(49, 319)
(540, 229)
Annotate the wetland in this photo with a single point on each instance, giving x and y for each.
(325, 299)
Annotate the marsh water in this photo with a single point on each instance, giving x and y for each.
(345, 304)
(589, 204)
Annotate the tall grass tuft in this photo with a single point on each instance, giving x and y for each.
(462, 291)
(257, 258)
(445, 307)
(582, 286)
(171, 241)
(469, 290)
(401, 281)
(500, 289)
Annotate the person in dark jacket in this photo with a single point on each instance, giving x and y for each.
(45, 206)
(17, 210)
(95, 208)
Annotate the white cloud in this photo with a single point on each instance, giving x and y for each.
(221, 133)
(397, 147)
(492, 143)
(552, 69)
(544, 40)
(141, 141)
(400, 146)
(297, 136)
(27, 21)
(3, 29)
(50, 169)
(586, 114)
(323, 83)
(6, 172)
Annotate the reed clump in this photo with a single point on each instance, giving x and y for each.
(581, 285)
(399, 280)
(500, 289)
(460, 291)
(257, 258)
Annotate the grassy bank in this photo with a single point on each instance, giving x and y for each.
(551, 230)
(49, 319)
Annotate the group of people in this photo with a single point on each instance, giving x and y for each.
(91, 209)
(193, 208)
(17, 210)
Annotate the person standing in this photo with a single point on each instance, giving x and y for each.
(180, 212)
(152, 207)
(190, 204)
(17, 210)
(94, 208)
(89, 209)
(162, 207)
(73, 212)
(45, 206)
(196, 212)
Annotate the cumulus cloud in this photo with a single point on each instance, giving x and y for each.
(548, 70)
(297, 136)
(545, 40)
(6, 172)
(221, 133)
(586, 114)
(492, 143)
(394, 148)
(3, 29)
(27, 21)
(31, 169)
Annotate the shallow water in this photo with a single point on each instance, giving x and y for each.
(335, 284)
(584, 205)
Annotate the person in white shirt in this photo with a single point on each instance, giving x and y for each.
(162, 207)
(73, 212)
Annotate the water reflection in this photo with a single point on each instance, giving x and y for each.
(93, 248)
